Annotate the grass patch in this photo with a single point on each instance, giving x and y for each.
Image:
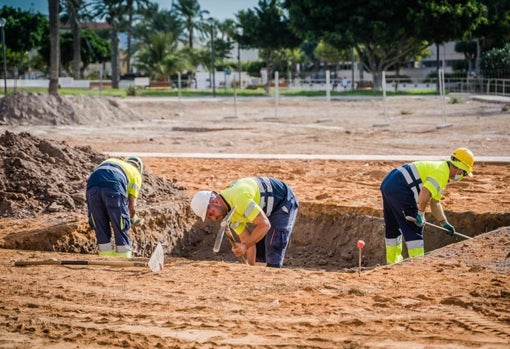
(76, 91)
(221, 92)
(455, 100)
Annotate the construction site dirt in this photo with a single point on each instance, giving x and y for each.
(334, 153)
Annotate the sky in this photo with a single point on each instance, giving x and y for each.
(219, 9)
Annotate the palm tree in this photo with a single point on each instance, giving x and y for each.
(132, 7)
(53, 10)
(160, 57)
(72, 17)
(112, 11)
(224, 43)
(154, 21)
(193, 18)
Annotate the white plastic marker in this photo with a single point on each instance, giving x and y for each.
(360, 245)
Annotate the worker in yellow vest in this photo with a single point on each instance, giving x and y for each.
(408, 190)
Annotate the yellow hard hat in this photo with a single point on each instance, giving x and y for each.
(463, 158)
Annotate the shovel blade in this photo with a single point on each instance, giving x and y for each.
(157, 259)
(219, 239)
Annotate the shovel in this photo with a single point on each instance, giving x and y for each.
(233, 244)
(412, 219)
(223, 226)
(155, 262)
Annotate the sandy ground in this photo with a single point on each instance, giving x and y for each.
(456, 296)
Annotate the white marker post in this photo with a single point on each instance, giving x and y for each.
(276, 93)
(442, 99)
(383, 83)
(328, 98)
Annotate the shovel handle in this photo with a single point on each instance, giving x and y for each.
(233, 243)
(412, 219)
(82, 262)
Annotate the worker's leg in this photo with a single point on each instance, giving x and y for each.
(118, 211)
(413, 234)
(99, 220)
(392, 234)
(397, 198)
(278, 237)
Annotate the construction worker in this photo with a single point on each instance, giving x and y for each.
(112, 191)
(268, 203)
(407, 191)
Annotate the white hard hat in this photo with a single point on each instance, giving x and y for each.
(199, 203)
(136, 161)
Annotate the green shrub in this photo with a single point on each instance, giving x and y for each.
(133, 90)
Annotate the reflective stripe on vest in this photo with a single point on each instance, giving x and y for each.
(266, 194)
(412, 177)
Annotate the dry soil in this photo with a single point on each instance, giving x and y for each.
(456, 296)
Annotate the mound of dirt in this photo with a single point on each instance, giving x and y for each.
(41, 176)
(42, 109)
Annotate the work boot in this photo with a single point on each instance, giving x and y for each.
(416, 252)
(107, 253)
(122, 254)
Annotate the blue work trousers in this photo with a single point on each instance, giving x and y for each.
(398, 202)
(272, 248)
(108, 209)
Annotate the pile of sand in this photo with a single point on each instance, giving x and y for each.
(22, 108)
(41, 176)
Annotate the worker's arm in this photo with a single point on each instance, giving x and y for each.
(437, 210)
(249, 240)
(423, 199)
(131, 205)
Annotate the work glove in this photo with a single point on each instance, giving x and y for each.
(420, 219)
(136, 220)
(449, 227)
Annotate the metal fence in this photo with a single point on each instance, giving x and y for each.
(490, 86)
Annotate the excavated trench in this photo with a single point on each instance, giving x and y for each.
(324, 237)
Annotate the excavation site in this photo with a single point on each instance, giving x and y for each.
(332, 291)
(43, 178)
(52, 143)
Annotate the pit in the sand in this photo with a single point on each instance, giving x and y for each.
(324, 237)
(42, 203)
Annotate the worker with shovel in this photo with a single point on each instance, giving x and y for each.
(112, 191)
(406, 193)
(266, 203)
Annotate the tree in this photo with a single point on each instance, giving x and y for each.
(224, 40)
(72, 18)
(112, 11)
(469, 49)
(154, 21)
(133, 7)
(495, 32)
(330, 54)
(93, 50)
(193, 18)
(160, 57)
(385, 32)
(21, 41)
(495, 63)
(53, 7)
(266, 28)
